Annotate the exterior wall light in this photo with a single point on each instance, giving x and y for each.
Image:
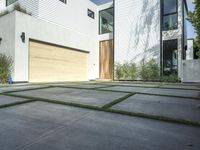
(23, 37)
(0, 40)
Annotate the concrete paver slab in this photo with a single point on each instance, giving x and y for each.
(89, 97)
(31, 126)
(7, 100)
(181, 108)
(29, 122)
(170, 92)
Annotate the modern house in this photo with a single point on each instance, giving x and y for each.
(77, 40)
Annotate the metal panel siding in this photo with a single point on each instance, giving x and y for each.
(72, 15)
(137, 30)
(30, 5)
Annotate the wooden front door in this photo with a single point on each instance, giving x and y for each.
(106, 58)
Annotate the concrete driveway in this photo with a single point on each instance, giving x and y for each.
(98, 115)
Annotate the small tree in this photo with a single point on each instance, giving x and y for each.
(5, 67)
(194, 18)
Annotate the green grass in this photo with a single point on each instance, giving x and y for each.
(195, 98)
(29, 89)
(154, 86)
(114, 102)
(93, 89)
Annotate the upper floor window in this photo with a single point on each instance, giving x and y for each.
(170, 15)
(106, 21)
(64, 1)
(9, 2)
(90, 13)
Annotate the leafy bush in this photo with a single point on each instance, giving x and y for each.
(5, 67)
(173, 78)
(149, 70)
(132, 71)
(118, 71)
(126, 71)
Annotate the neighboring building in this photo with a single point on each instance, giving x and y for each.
(76, 40)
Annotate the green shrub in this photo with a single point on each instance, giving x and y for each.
(126, 71)
(5, 67)
(132, 71)
(173, 78)
(149, 70)
(118, 71)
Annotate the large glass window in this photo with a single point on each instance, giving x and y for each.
(106, 21)
(170, 57)
(170, 22)
(170, 6)
(170, 15)
(9, 2)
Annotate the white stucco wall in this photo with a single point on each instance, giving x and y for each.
(137, 30)
(191, 71)
(7, 33)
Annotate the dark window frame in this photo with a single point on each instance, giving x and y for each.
(99, 20)
(63, 1)
(92, 12)
(169, 14)
(9, 4)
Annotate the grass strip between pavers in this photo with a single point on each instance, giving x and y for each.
(156, 117)
(155, 86)
(160, 87)
(29, 89)
(114, 102)
(115, 111)
(94, 89)
(165, 95)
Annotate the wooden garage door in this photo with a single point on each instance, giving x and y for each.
(50, 63)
